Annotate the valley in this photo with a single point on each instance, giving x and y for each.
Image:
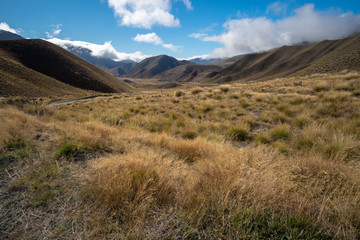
(258, 146)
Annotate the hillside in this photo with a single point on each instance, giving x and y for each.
(186, 73)
(46, 69)
(325, 56)
(150, 67)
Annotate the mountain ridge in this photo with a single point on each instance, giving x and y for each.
(51, 65)
(152, 66)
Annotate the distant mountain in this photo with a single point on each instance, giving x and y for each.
(5, 35)
(186, 73)
(203, 61)
(323, 57)
(150, 67)
(40, 68)
(116, 68)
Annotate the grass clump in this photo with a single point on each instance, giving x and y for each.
(179, 93)
(238, 133)
(129, 187)
(189, 134)
(322, 86)
(196, 91)
(74, 152)
(224, 89)
(280, 132)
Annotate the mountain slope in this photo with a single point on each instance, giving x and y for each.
(18, 80)
(43, 65)
(288, 60)
(186, 73)
(5, 35)
(150, 67)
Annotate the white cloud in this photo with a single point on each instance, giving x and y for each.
(55, 31)
(198, 35)
(148, 38)
(97, 50)
(203, 57)
(305, 25)
(155, 39)
(188, 4)
(4, 26)
(277, 8)
(145, 13)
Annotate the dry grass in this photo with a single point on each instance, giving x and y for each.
(279, 160)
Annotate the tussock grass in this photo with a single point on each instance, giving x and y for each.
(279, 160)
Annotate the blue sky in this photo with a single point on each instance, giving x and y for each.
(134, 29)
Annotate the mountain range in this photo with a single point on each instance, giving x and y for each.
(116, 68)
(39, 68)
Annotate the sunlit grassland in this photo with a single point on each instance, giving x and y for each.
(274, 159)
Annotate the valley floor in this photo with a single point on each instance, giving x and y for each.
(266, 160)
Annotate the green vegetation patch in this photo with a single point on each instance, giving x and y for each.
(75, 151)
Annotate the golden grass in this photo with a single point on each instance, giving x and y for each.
(280, 159)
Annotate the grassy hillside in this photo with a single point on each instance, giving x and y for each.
(277, 159)
(323, 57)
(51, 65)
(185, 73)
(18, 80)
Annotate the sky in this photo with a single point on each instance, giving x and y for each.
(136, 29)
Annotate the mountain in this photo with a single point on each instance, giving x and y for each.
(117, 68)
(39, 68)
(325, 56)
(5, 35)
(186, 73)
(206, 61)
(150, 67)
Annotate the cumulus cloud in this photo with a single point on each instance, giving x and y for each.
(55, 31)
(248, 35)
(148, 38)
(145, 13)
(4, 26)
(105, 50)
(155, 39)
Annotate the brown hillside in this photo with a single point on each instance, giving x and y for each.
(345, 57)
(186, 73)
(53, 64)
(18, 80)
(325, 56)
